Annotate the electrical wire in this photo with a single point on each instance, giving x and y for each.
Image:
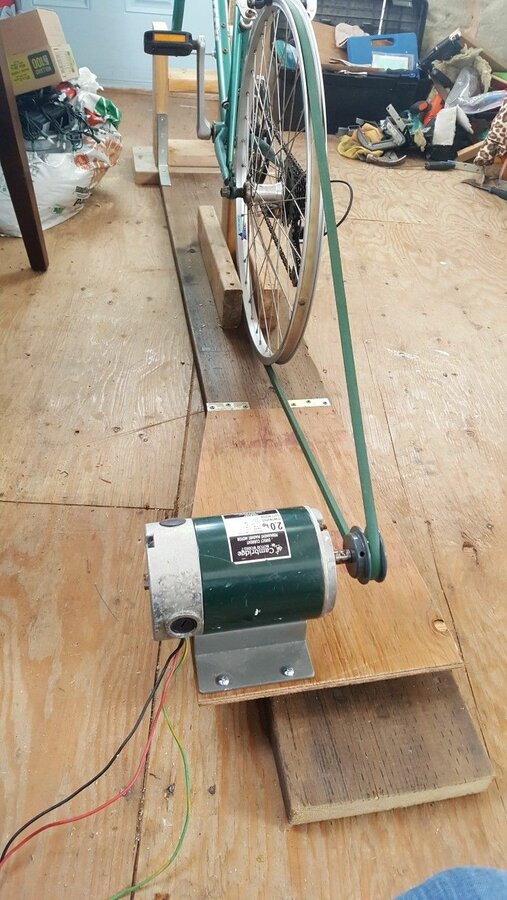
(5, 852)
(125, 790)
(351, 199)
(130, 889)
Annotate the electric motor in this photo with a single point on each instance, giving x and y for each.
(234, 572)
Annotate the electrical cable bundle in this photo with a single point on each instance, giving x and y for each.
(50, 122)
(164, 678)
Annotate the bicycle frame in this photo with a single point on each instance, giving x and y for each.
(230, 53)
(230, 50)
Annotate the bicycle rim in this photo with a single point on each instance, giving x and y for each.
(279, 221)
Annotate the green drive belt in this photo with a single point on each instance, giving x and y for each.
(371, 529)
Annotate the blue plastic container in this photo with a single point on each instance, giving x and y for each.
(390, 52)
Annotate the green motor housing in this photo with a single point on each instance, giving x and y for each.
(240, 571)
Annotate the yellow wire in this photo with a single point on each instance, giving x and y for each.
(149, 878)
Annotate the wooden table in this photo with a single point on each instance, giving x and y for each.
(14, 163)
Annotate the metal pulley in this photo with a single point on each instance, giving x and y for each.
(244, 586)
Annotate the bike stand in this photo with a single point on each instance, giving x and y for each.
(155, 164)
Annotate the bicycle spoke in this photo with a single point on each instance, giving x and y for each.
(275, 148)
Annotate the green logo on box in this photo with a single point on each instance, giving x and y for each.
(40, 64)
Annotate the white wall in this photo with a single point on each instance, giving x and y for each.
(489, 16)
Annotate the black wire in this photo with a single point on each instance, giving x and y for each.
(108, 765)
(351, 199)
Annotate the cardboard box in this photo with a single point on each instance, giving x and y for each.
(37, 53)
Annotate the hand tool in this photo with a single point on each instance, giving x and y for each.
(444, 165)
(497, 191)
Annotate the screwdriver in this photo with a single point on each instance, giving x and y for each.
(444, 165)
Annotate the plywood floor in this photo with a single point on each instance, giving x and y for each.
(101, 424)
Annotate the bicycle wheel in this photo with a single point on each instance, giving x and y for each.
(279, 218)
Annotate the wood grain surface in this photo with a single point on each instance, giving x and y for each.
(96, 360)
(373, 747)
(77, 663)
(223, 277)
(251, 460)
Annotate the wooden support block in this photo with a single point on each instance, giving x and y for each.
(229, 224)
(221, 270)
(468, 153)
(160, 87)
(228, 369)
(192, 155)
(266, 302)
(268, 307)
(145, 167)
(372, 747)
(185, 157)
(184, 81)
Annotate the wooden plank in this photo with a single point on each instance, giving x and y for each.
(144, 165)
(436, 452)
(469, 153)
(160, 87)
(186, 156)
(184, 81)
(222, 275)
(77, 667)
(227, 367)
(191, 155)
(14, 163)
(374, 747)
(245, 465)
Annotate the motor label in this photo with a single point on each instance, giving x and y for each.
(256, 536)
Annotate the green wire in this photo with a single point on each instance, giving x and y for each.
(131, 889)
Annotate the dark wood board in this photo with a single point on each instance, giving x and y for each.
(17, 176)
(373, 747)
(227, 366)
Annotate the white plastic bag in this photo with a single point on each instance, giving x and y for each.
(64, 181)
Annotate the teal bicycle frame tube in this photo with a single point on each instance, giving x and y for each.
(239, 46)
(178, 10)
(222, 48)
(229, 58)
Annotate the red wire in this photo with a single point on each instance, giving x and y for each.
(123, 791)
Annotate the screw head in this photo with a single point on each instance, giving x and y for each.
(288, 671)
(223, 680)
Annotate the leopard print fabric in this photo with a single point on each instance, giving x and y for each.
(496, 141)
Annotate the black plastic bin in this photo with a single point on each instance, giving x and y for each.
(351, 97)
(366, 97)
(399, 17)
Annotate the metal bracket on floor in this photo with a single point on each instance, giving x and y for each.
(229, 406)
(309, 402)
(253, 656)
(162, 151)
